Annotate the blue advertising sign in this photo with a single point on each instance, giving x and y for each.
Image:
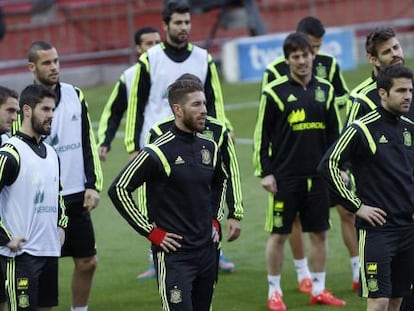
(254, 54)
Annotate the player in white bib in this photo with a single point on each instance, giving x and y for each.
(9, 107)
(32, 211)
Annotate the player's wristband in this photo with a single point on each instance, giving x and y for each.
(216, 225)
(156, 236)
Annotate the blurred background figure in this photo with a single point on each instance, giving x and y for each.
(116, 105)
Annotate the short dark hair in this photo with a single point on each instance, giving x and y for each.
(174, 6)
(185, 84)
(5, 93)
(189, 76)
(143, 31)
(33, 95)
(376, 37)
(389, 73)
(296, 41)
(35, 47)
(311, 26)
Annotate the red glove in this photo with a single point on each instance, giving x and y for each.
(215, 232)
(156, 236)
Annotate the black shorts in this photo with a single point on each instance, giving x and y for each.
(186, 278)
(80, 235)
(386, 262)
(32, 281)
(307, 197)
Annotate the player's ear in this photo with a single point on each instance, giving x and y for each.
(31, 66)
(382, 93)
(165, 26)
(26, 111)
(373, 60)
(176, 108)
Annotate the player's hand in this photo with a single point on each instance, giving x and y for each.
(269, 183)
(373, 215)
(233, 229)
(171, 242)
(16, 244)
(103, 152)
(61, 234)
(166, 240)
(91, 199)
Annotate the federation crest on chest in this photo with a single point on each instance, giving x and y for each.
(205, 156)
(175, 295)
(407, 138)
(320, 95)
(321, 71)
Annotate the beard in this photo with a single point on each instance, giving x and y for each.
(193, 125)
(48, 82)
(177, 40)
(39, 127)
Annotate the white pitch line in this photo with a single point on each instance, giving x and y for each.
(244, 141)
(241, 106)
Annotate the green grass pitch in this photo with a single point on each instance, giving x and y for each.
(123, 253)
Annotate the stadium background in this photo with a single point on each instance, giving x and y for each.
(123, 254)
(94, 37)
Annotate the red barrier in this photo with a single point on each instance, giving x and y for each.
(78, 27)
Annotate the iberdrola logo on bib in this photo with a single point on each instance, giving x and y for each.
(54, 142)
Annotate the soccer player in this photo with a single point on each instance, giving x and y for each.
(297, 122)
(383, 49)
(32, 211)
(218, 132)
(116, 105)
(9, 107)
(324, 66)
(160, 66)
(81, 168)
(380, 148)
(183, 176)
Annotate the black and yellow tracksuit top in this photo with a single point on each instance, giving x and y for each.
(380, 148)
(352, 112)
(115, 108)
(182, 171)
(295, 126)
(217, 131)
(324, 66)
(365, 98)
(141, 86)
